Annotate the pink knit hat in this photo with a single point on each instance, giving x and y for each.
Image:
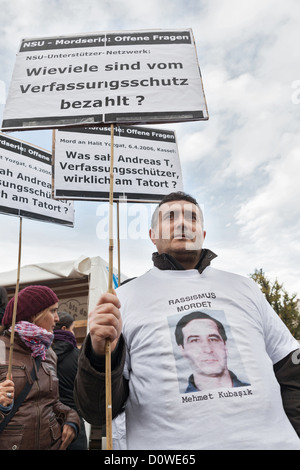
(31, 301)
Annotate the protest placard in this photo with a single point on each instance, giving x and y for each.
(111, 77)
(146, 163)
(26, 184)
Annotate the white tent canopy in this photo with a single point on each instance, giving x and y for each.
(48, 271)
(63, 275)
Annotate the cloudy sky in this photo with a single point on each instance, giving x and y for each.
(242, 165)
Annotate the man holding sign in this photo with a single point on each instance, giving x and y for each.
(148, 373)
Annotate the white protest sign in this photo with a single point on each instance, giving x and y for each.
(26, 184)
(111, 77)
(146, 163)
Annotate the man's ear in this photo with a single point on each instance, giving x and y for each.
(152, 236)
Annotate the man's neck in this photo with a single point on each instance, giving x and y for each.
(166, 261)
(187, 259)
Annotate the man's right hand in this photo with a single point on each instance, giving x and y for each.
(105, 322)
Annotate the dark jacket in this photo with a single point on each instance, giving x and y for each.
(64, 346)
(37, 425)
(90, 382)
(67, 364)
(3, 302)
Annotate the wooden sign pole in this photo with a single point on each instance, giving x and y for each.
(110, 288)
(12, 334)
(119, 247)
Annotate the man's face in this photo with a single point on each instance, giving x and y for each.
(204, 347)
(179, 228)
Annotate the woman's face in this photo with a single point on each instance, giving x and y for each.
(48, 318)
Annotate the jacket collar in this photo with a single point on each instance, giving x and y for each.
(164, 261)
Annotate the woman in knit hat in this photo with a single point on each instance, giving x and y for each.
(41, 422)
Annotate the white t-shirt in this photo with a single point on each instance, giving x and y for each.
(161, 412)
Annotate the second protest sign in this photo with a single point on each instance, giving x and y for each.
(146, 163)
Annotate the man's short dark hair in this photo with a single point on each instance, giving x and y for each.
(178, 196)
(196, 316)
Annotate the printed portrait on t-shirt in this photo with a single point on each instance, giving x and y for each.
(205, 352)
